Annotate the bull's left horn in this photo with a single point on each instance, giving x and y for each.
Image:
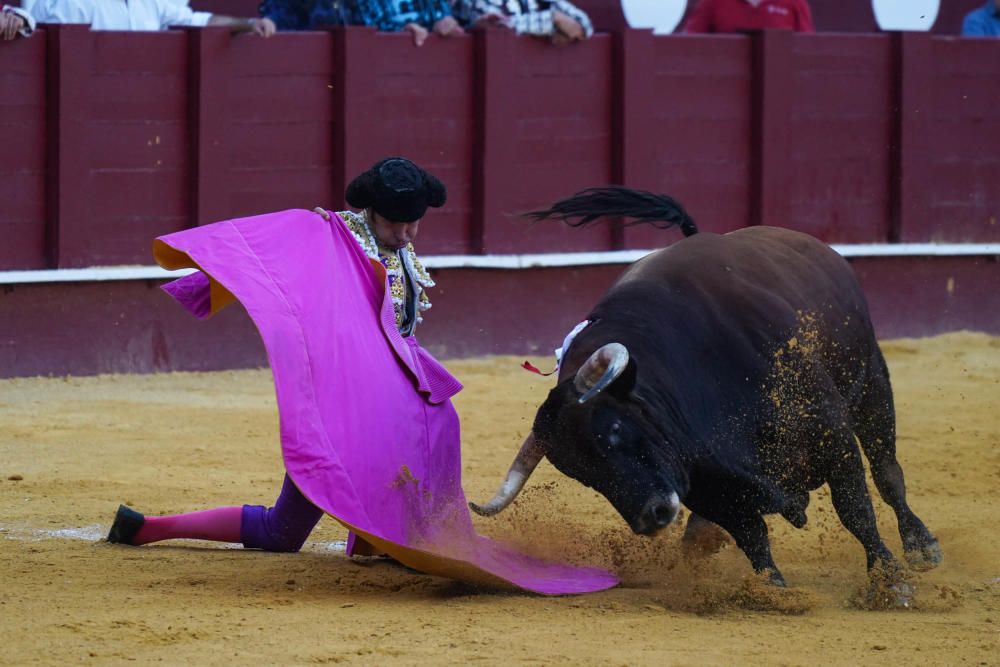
(600, 370)
(520, 470)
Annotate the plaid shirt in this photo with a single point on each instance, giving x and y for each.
(389, 15)
(306, 14)
(392, 15)
(525, 17)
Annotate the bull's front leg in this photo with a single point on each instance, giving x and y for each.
(702, 537)
(750, 533)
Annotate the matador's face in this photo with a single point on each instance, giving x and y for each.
(391, 234)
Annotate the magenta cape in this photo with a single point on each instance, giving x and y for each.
(368, 431)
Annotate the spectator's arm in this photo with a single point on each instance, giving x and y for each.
(974, 26)
(577, 14)
(439, 9)
(174, 13)
(804, 19)
(15, 21)
(466, 12)
(264, 27)
(701, 18)
(281, 14)
(63, 11)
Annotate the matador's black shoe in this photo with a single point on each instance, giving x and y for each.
(126, 526)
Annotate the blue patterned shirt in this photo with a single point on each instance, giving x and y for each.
(389, 15)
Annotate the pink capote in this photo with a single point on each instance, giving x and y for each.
(368, 431)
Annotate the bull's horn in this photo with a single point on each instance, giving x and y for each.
(520, 470)
(601, 369)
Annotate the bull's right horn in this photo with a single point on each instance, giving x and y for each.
(600, 370)
(520, 470)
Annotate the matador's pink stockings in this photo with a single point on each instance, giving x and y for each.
(219, 525)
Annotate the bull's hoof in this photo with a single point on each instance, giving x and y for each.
(925, 557)
(898, 595)
(887, 588)
(775, 578)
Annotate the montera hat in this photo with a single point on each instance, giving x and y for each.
(397, 189)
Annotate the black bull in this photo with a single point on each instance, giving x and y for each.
(730, 373)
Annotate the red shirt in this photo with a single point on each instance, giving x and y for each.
(742, 15)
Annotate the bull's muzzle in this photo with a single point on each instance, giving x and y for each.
(658, 513)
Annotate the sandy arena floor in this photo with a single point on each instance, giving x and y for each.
(72, 449)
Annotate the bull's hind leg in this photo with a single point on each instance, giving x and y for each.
(875, 425)
(849, 493)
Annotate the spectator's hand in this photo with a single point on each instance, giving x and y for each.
(490, 20)
(447, 27)
(263, 27)
(419, 33)
(322, 212)
(560, 39)
(566, 26)
(10, 25)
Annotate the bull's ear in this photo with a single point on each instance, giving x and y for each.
(624, 384)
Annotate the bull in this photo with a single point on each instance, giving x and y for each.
(729, 374)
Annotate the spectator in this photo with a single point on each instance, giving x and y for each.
(558, 20)
(418, 17)
(983, 22)
(747, 15)
(15, 21)
(306, 14)
(141, 15)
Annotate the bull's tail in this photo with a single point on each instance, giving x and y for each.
(615, 201)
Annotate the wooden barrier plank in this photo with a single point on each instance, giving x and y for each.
(962, 156)
(22, 161)
(546, 133)
(839, 132)
(913, 185)
(770, 145)
(69, 63)
(208, 93)
(688, 106)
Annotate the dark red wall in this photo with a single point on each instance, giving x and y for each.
(22, 159)
(132, 327)
(121, 137)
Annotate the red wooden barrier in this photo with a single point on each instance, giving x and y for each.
(22, 158)
(279, 123)
(950, 109)
(835, 127)
(545, 133)
(118, 143)
(686, 114)
(851, 138)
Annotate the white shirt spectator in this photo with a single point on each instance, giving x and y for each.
(29, 21)
(119, 14)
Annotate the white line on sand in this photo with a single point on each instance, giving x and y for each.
(97, 532)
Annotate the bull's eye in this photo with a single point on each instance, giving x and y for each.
(614, 437)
